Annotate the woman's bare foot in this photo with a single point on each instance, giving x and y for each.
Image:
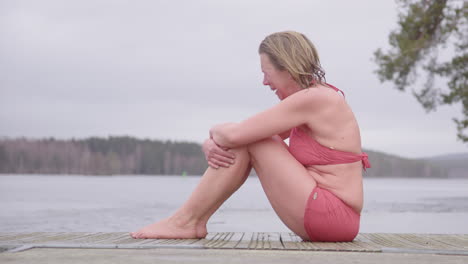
(171, 228)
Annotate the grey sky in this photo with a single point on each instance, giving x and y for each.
(172, 69)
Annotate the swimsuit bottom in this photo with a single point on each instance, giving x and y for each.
(328, 219)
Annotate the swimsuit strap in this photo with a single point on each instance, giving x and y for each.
(336, 89)
(322, 155)
(365, 161)
(329, 85)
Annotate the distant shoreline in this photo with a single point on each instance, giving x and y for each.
(132, 156)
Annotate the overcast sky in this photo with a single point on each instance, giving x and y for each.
(172, 69)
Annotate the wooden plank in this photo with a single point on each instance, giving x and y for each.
(27, 237)
(214, 240)
(245, 241)
(256, 242)
(121, 238)
(275, 240)
(290, 241)
(102, 238)
(234, 240)
(325, 246)
(124, 240)
(224, 240)
(85, 238)
(366, 245)
(237, 240)
(219, 240)
(77, 237)
(266, 240)
(200, 243)
(417, 242)
(390, 241)
(263, 241)
(451, 241)
(427, 242)
(50, 237)
(9, 236)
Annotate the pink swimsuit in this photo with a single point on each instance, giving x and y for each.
(326, 217)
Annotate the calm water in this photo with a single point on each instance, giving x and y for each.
(125, 203)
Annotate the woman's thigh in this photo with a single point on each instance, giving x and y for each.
(285, 181)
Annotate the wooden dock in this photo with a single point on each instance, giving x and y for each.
(454, 244)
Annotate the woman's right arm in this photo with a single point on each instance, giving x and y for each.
(295, 110)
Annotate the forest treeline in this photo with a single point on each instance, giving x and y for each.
(100, 156)
(128, 155)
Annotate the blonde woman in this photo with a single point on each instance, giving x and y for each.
(314, 184)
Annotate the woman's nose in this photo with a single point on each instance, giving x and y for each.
(265, 81)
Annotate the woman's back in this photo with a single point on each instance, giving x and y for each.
(329, 145)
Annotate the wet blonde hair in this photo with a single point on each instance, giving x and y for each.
(295, 53)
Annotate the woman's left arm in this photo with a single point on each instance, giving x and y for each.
(293, 111)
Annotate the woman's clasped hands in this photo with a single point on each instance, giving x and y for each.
(217, 156)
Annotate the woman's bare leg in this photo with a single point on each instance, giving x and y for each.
(215, 187)
(285, 181)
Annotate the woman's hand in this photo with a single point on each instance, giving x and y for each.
(217, 156)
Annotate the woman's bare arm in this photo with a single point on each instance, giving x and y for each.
(297, 109)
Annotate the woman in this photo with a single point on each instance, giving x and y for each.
(315, 184)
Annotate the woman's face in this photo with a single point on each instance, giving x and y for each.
(281, 82)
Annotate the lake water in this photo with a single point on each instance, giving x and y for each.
(65, 203)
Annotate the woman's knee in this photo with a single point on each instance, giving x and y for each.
(239, 150)
(241, 153)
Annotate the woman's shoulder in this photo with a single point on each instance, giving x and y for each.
(317, 96)
(329, 91)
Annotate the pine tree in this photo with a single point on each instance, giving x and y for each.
(425, 29)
